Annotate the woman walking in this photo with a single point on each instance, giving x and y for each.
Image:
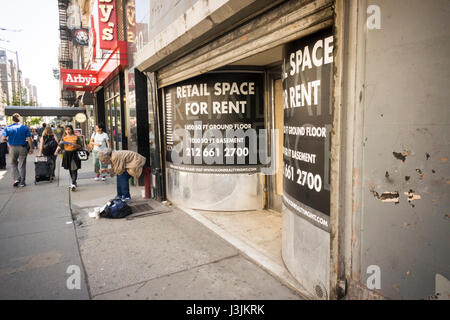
(71, 143)
(47, 147)
(99, 141)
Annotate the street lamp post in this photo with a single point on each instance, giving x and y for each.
(18, 78)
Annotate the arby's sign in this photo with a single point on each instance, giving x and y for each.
(107, 24)
(80, 80)
(107, 55)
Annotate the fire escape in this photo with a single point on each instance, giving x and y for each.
(65, 59)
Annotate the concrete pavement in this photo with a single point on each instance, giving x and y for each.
(167, 255)
(37, 240)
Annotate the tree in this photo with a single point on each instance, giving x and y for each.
(34, 121)
(15, 101)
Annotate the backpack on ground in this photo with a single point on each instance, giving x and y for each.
(50, 145)
(115, 209)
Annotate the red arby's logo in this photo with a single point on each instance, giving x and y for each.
(107, 24)
(80, 79)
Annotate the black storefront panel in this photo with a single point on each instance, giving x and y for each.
(213, 123)
(307, 84)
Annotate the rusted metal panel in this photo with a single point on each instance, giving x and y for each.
(337, 194)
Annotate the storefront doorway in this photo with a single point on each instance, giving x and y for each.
(271, 62)
(113, 115)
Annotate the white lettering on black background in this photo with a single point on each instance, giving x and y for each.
(216, 118)
(307, 84)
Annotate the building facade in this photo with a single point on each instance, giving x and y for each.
(31, 95)
(5, 73)
(361, 176)
(110, 78)
(331, 114)
(9, 83)
(4, 92)
(74, 54)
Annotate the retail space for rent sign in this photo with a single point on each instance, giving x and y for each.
(213, 123)
(307, 89)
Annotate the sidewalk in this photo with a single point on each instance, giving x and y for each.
(163, 256)
(37, 239)
(167, 255)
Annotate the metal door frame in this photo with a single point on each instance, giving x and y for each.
(271, 74)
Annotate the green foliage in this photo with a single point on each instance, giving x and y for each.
(35, 120)
(16, 99)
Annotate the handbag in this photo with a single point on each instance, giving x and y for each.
(91, 144)
(83, 155)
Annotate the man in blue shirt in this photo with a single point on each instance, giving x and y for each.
(18, 137)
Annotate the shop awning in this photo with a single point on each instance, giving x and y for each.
(43, 111)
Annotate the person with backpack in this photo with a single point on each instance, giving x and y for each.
(99, 141)
(47, 147)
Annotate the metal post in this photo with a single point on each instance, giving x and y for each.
(18, 78)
